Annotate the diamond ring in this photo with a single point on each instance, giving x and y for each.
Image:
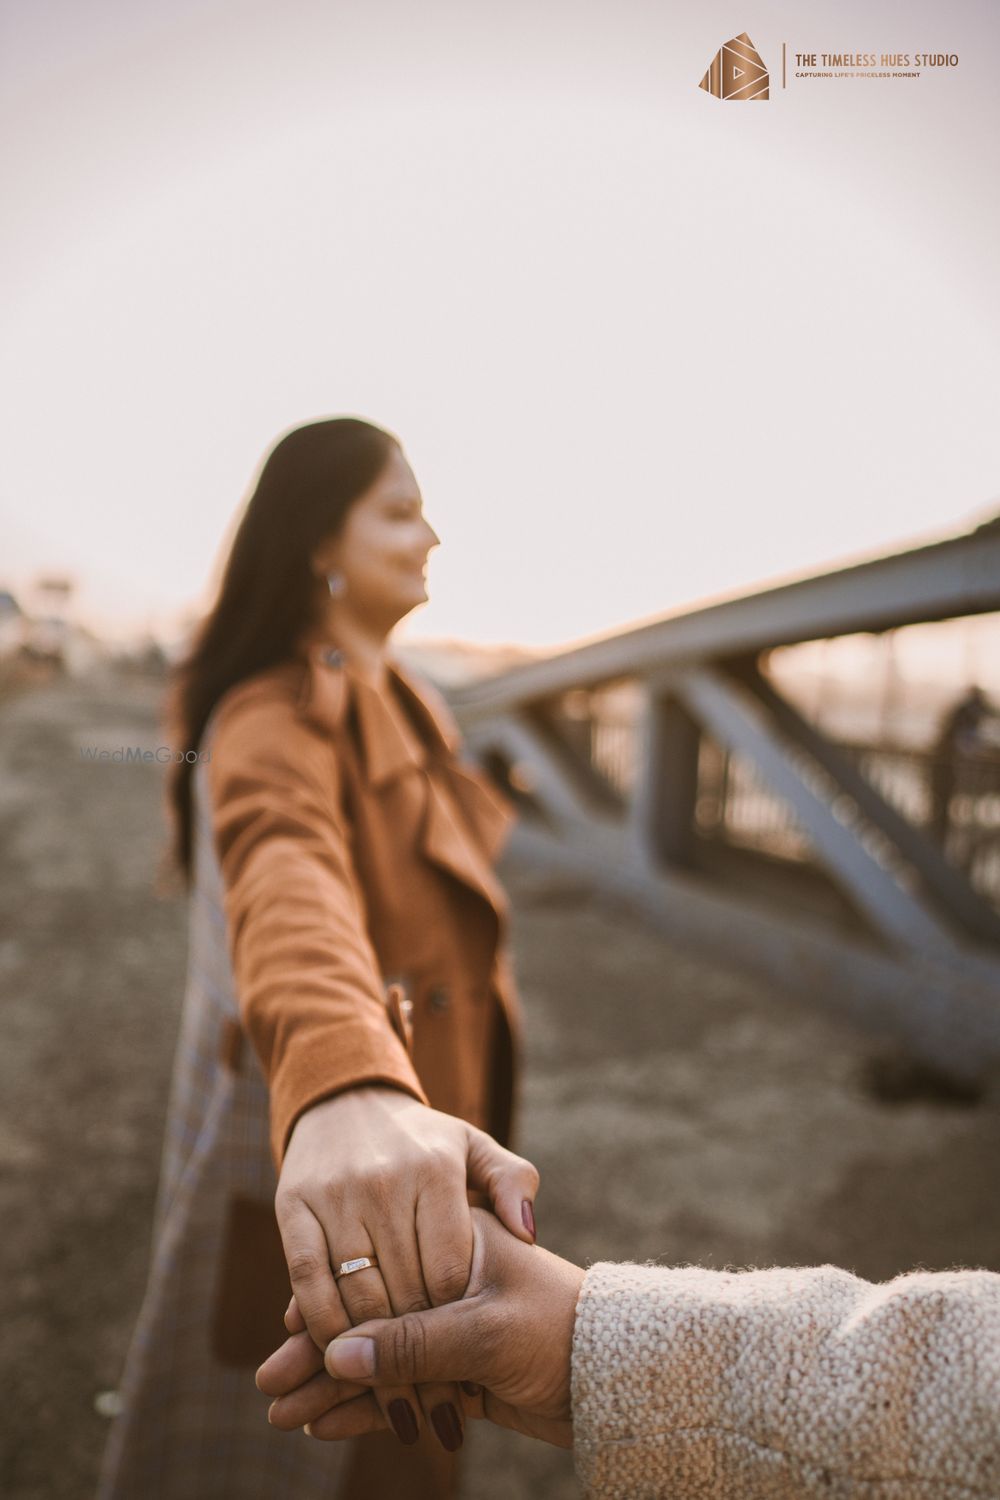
(360, 1263)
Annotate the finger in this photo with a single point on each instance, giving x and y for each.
(318, 1395)
(404, 1256)
(445, 1240)
(297, 1361)
(510, 1182)
(353, 1419)
(364, 1296)
(451, 1342)
(473, 1398)
(307, 1254)
(294, 1321)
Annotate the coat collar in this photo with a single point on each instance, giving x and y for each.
(331, 686)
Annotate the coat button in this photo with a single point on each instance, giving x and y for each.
(438, 1000)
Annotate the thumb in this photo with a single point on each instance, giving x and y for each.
(438, 1344)
(510, 1182)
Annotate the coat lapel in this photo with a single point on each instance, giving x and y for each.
(447, 842)
(465, 820)
(484, 806)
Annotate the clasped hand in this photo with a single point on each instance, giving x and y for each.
(373, 1172)
(508, 1341)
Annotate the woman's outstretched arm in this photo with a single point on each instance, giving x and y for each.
(366, 1167)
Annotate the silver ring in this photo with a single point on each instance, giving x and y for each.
(360, 1263)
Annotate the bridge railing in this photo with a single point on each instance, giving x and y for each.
(636, 754)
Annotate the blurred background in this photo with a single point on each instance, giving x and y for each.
(653, 356)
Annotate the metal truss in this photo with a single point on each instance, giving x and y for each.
(925, 962)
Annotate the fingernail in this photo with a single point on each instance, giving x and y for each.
(307, 1429)
(470, 1388)
(404, 1423)
(447, 1426)
(528, 1217)
(351, 1359)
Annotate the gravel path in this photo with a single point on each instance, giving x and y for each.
(677, 1110)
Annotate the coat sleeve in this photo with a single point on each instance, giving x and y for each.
(311, 994)
(786, 1383)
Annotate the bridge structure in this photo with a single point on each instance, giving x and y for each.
(619, 751)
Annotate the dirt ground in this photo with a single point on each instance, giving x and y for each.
(676, 1109)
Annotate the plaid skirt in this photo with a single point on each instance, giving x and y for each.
(192, 1427)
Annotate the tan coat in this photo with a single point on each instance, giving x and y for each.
(333, 855)
(354, 857)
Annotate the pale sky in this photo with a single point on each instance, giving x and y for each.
(642, 346)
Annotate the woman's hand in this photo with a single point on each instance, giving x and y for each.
(373, 1172)
(511, 1336)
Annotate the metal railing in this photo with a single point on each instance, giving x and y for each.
(736, 805)
(643, 748)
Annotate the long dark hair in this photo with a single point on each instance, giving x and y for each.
(268, 595)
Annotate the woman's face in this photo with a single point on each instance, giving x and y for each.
(381, 552)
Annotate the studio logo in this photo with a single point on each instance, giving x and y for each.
(737, 71)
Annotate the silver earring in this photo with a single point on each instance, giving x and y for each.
(336, 583)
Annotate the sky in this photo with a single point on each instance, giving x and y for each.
(643, 347)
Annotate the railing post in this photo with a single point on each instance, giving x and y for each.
(666, 785)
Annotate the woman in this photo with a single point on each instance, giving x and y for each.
(347, 924)
(687, 1384)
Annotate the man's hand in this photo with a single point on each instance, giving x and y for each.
(510, 1336)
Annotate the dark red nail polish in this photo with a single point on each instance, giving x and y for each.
(404, 1423)
(528, 1218)
(470, 1388)
(447, 1426)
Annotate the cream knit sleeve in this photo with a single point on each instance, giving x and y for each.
(786, 1383)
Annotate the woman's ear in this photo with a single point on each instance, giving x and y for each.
(322, 560)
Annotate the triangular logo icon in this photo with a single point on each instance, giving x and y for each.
(737, 71)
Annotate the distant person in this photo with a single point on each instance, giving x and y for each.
(350, 1034)
(688, 1384)
(959, 737)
